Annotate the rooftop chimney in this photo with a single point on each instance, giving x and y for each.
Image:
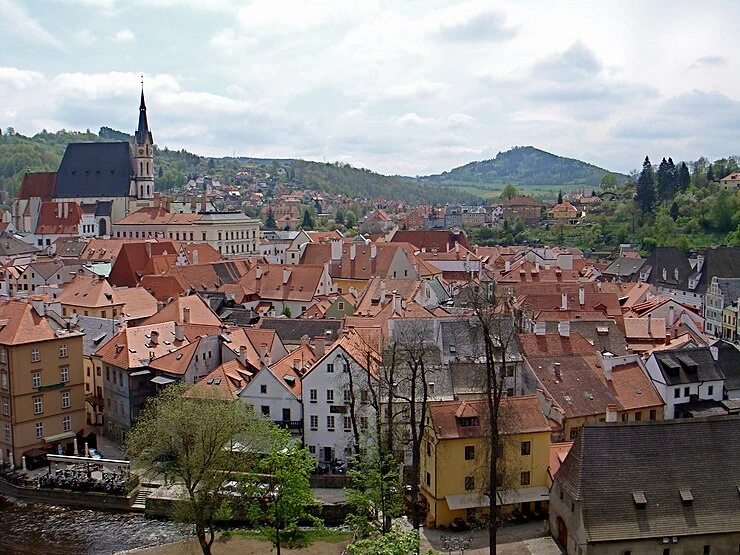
(66, 212)
(263, 350)
(196, 257)
(675, 273)
(148, 247)
(608, 362)
(319, 346)
(336, 250)
(257, 272)
(296, 364)
(38, 305)
(155, 337)
(179, 333)
(203, 201)
(671, 318)
(185, 315)
(564, 301)
(507, 266)
(581, 296)
(352, 251)
(564, 328)
(373, 251)
(665, 274)
(243, 355)
(611, 413)
(396, 304)
(304, 340)
(457, 246)
(540, 328)
(193, 203)
(286, 275)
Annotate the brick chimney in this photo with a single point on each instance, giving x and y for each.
(185, 315)
(243, 355)
(154, 337)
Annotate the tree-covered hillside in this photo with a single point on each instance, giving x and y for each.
(525, 166)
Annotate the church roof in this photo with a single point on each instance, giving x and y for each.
(95, 170)
(142, 132)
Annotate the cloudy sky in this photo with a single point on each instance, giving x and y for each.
(412, 87)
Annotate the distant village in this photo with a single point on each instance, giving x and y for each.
(112, 291)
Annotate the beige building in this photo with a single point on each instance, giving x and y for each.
(226, 232)
(90, 296)
(41, 381)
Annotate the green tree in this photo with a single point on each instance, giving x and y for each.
(396, 542)
(270, 223)
(509, 192)
(608, 182)
(307, 220)
(645, 195)
(287, 312)
(189, 439)
(674, 211)
(710, 174)
(560, 197)
(280, 490)
(683, 179)
(722, 212)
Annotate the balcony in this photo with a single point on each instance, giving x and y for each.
(290, 424)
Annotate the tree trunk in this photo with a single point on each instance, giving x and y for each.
(205, 545)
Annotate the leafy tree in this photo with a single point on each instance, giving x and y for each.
(722, 212)
(287, 312)
(307, 220)
(509, 192)
(280, 490)
(560, 197)
(710, 174)
(645, 195)
(396, 542)
(608, 182)
(339, 217)
(189, 439)
(270, 223)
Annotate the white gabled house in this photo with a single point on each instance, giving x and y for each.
(336, 399)
(275, 391)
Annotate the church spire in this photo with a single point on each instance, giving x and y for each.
(142, 133)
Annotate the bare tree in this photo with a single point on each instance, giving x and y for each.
(493, 317)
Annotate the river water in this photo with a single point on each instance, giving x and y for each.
(43, 530)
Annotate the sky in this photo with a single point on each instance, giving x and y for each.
(399, 87)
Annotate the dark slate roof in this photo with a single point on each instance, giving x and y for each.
(290, 330)
(610, 462)
(624, 267)
(676, 366)
(142, 131)
(730, 288)
(671, 259)
(728, 362)
(12, 246)
(605, 335)
(720, 262)
(463, 339)
(95, 170)
(704, 408)
(103, 208)
(98, 332)
(227, 272)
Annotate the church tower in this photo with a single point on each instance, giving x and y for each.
(143, 155)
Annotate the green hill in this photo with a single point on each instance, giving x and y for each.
(524, 166)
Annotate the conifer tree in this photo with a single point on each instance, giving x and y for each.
(645, 195)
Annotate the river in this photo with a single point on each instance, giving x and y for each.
(44, 530)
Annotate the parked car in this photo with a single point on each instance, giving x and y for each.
(94, 453)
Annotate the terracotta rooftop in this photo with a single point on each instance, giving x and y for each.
(191, 308)
(37, 184)
(137, 302)
(20, 323)
(133, 347)
(90, 292)
(227, 379)
(59, 218)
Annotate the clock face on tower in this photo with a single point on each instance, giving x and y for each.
(141, 151)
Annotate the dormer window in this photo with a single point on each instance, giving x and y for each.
(469, 422)
(639, 498)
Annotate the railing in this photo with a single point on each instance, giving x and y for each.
(290, 424)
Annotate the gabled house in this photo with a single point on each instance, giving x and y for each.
(683, 376)
(90, 296)
(226, 381)
(650, 487)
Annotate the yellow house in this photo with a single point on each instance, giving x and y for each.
(90, 296)
(455, 459)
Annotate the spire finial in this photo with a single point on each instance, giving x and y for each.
(142, 82)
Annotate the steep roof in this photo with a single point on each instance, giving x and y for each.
(728, 361)
(95, 170)
(228, 380)
(143, 135)
(37, 184)
(133, 258)
(657, 461)
(301, 283)
(721, 262)
(51, 222)
(518, 415)
(440, 240)
(137, 302)
(290, 369)
(198, 310)
(20, 323)
(290, 330)
(98, 332)
(90, 292)
(133, 348)
(12, 246)
(176, 361)
(689, 365)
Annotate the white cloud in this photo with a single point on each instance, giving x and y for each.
(20, 79)
(125, 35)
(228, 41)
(85, 37)
(16, 21)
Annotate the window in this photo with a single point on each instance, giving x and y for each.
(346, 396)
(653, 414)
(509, 391)
(469, 483)
(469, 452)
(65, 400)
(574, 433)
(638, 416)
(67, 423)
(429, 479)
(330, 423)
(312, 449)
(666, 551)
(330, 368)
(677, 393)
(6, 406)
(686, 391)
(107, 373)
(3, 380)
(314, 422)
(363, 423)
(363, 396)
(63, 349)
(263, 389)
(710, 391)
(266, 410)
(347, 424)
(35, 355)
(7, 432)
(38, 405)
(39, 429)
(429, 449)
(36, 378)
(64, 375)
(340, 305)
(313, 395)
(97, 370)
(469, 421)
(3, 356)
(329, 395)
(707, 549)
(524, 478)
(526, 448)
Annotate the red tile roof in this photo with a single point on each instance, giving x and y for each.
(20, 323)
(198, 312)
(37, 184)
(61, 218)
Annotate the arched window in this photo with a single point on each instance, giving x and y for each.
(148, 190)
(141, 168)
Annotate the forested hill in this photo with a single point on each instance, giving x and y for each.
(524, 166)
(43, 152)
